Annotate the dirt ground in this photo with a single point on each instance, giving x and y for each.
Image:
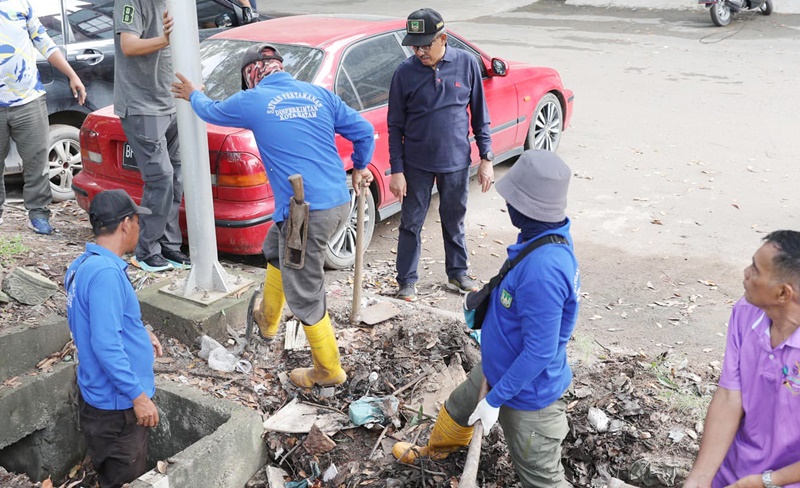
(654, 401)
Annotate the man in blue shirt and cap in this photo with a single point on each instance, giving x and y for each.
(115, 351)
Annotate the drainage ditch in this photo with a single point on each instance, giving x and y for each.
(206, 441)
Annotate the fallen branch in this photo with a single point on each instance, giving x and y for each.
(291, 451)
(601, 345)
(409, 385)
(416, 411)
(377, 443)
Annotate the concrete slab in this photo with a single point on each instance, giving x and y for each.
(226, 456)
(21, 347)
(186, 321)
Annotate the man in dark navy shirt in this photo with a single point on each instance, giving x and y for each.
(429, 141)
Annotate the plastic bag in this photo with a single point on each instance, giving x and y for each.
(372, 410)
(221, 360)
(207, 344)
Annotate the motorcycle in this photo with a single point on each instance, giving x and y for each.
(722, 10)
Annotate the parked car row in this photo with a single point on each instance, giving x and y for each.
(355, 57)
(84, 31)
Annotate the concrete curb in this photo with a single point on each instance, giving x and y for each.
(22, 346)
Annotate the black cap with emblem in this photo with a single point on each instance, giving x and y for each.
(422, 27)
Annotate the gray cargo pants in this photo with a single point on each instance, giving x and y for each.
(154, 142)
(304, 288)
(534, 437)
(27, 125)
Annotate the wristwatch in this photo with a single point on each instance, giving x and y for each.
(489, 156)
(766, 478)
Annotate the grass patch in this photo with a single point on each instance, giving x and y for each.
(12, 247)
(688, 403)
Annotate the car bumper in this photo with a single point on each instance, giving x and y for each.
(240, 226)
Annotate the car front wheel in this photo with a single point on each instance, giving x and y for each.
(64, 159)
(341, 250)
(547, 124)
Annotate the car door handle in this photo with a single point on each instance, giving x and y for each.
(90, 56)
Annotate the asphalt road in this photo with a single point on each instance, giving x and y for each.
(684, 147)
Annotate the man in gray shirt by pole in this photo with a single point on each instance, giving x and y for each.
(144, 103)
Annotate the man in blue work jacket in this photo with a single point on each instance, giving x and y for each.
(429, 140)
(294, 124)
(115, 351)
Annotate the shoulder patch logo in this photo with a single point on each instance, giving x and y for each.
(506, 299)
(127, 14)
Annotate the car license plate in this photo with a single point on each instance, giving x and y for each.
(128, 161)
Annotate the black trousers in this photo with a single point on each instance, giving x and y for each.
(116, 444)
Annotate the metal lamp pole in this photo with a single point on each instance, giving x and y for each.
(206, 273)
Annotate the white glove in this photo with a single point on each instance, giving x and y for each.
(487, 414)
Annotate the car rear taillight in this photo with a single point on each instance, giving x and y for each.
(90, 147)
(240, 176)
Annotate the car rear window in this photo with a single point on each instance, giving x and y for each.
(221, 60)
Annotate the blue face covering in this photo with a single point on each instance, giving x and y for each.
(530, 228)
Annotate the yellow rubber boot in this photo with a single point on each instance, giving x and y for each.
(327, 370)
(268, 315)
(447, 436)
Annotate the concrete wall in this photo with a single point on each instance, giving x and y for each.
(22, 346)
(29, 407)
(38, 427)
(226, 458)
(209, 442)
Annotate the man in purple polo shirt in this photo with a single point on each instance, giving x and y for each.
(752, 429)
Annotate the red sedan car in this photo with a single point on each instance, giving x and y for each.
(355, 57)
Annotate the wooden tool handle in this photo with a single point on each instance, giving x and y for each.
(297, 187)
(469, 478)
(355, 310)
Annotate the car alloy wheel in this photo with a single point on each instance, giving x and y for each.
(547, 124)
(64, 159)
(721, 13)
(341, 249)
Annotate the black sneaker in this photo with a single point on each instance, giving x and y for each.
(176, 258)
(154, 263)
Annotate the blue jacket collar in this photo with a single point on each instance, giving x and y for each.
(102, 251)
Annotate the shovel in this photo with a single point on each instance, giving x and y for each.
(355, 312)
(297, 226)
